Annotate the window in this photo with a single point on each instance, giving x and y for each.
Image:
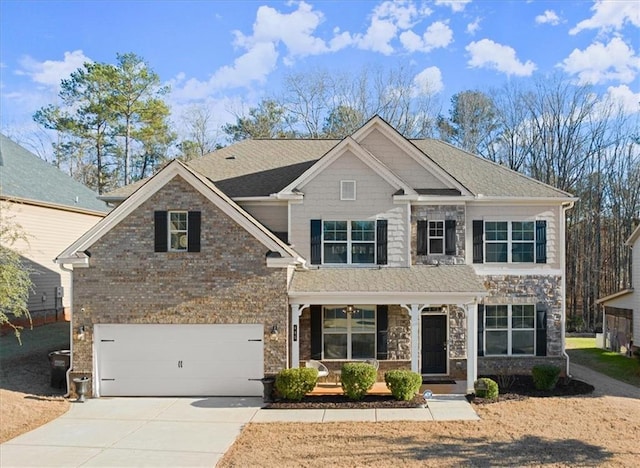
(436, 237)
(349, 242)
(349, 335)
(509, 241)
(178, 231)
(510, 330)
(347, 190)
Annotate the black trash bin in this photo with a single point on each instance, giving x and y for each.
(60, 362)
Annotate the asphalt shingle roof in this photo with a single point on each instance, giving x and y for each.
(415, 279)
(25, 176)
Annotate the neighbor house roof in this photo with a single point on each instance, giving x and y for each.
(259, 168)
(27, 178)
(421, 279)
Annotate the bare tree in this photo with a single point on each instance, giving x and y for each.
(201, 138)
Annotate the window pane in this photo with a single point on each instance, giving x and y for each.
(496, 252)
(496, 317)
(523, 316)
(363, 320)
(335, 253)
(363, 345)
(522, 252)
(335, 230)
(363, 253)
(496, 342)
(436, 246)
(522, 231)
(335, 346)
(335, 320)
(522, 342)
(178, 241)
(496, 231)
(178, 221)
(363, 231)
(436, 228)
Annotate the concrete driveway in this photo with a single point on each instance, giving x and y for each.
(135, 432)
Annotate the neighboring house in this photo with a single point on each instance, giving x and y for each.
(52, 210)
(268, 253)
(621, 316)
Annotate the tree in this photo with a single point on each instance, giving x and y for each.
(15, 280)
(342, 121)
(199, 141)
(265, 121)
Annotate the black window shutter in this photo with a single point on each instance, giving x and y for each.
(160, 222)
(541, 329)
(541, 241)
(381, 242)
(450, 237)
(478, 245)
(382, 332)
(422, 238)
(480, 329)
(193, 232)
(316, 241)
(316, 332)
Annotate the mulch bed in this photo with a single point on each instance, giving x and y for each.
(522, 387)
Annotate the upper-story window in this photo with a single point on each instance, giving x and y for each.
(436, 237)
(178, 230)
(509, 241)
(349, 242)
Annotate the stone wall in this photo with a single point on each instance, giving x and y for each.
(227, 282)
(438, 213)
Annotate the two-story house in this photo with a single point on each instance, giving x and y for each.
(268, 253)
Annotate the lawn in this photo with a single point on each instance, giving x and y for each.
(583, 351)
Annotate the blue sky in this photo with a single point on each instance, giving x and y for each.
(230, 54)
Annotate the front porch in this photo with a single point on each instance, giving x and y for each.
(459, 387)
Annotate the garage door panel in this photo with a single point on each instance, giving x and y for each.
(180, 360)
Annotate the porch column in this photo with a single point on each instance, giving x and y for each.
(414, 313)
(472, 345)
(296, 311)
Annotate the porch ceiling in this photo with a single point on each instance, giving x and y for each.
(416, 282)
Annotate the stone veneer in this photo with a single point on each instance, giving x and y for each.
(438, 213)
(227, 282)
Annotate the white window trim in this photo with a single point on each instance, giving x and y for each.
(349, 241)
(509, 241)
(349, 332)
(172, 231)
(510, 330)
(429, 237)
(345, 193)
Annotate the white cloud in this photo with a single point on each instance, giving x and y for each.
(626, 98)
(51, 72)
(610, 15)
(456, 5)
(548, 17)
(474, 27)
(600, 63)
(387, 19)
(437, 35)
(428, 81)
(488, 54)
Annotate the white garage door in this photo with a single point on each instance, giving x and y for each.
(179, 360)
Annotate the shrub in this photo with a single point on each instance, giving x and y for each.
(545, 376)
(486, 388)
(294, 384)
(404, 384)
(357, 378)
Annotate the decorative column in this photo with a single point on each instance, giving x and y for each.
(472, 345)
(414, 313)
(296, 312)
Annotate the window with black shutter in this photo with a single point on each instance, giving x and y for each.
(422, 237)
(381, 242)
(177, 231)
(161, 237)
(450, 237)
(382, 332)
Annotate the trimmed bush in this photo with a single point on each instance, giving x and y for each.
(404, 384)
(357, 378)
(294, 384)
(545, 376)
(486, 388)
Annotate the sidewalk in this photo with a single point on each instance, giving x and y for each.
(604, 385)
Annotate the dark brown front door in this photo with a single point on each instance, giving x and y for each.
(434, 344)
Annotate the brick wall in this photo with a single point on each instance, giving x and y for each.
(226, 282)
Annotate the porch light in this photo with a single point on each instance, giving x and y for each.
(80, 334)
(274, 333)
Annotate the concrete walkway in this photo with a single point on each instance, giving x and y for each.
(604, 385)
(179, 431)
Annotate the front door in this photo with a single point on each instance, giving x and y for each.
(434, 344)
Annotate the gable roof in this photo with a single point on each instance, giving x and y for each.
(74, 253)
(260, 168)
(633, 237)
(27, 178)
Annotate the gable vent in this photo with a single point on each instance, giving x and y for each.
(347, 190)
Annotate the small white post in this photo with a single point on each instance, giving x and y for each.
(472, 345)
(296, 312)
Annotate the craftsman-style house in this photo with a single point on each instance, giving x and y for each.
(268, 253)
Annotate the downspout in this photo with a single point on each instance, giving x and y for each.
(565, 208)
(70, 270)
